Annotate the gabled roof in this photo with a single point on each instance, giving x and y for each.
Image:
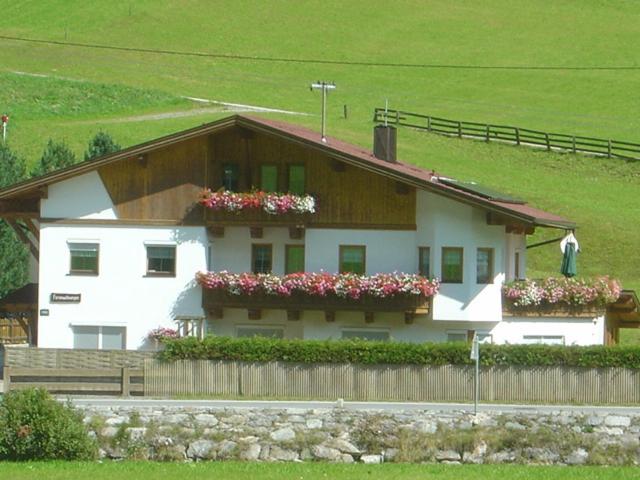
(335, 148)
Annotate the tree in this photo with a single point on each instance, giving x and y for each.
(13, 254)
(56, 155)
(100, 144)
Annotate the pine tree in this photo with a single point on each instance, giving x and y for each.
(56, 155)
(100, 144)
(13, 254)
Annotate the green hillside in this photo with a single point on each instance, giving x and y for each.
(601, 195)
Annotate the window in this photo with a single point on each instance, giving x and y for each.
(84, 258)
(99, 337)
(296, 179)
(365, 334)
(230, 176)
(353, 259)
(424, 261)
(269, 178)
(261, 260)
(457, 336)
(294, 259)
(452, 264)
(484, 265)
(161, 260)
(543, 339)
(268, 332)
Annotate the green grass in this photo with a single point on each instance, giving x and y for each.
(305, 471)
(600, 195)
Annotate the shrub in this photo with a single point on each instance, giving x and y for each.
(35, 426)
(368, 352)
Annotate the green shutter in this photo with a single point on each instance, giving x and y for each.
(269, 178)
(296, 179)
(295, 258)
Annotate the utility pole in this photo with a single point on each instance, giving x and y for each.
(325, 87)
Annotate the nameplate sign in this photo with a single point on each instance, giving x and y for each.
(65, 298)
(44, 312)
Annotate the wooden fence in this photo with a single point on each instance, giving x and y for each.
(61, 358)
(513, 135)
(104, 381)
(13, 330)
(449, 383)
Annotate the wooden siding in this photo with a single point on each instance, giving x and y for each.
(164, 184)
(349, 198)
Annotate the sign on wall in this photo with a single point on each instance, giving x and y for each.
(65, 298)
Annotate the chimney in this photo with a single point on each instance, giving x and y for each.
(384, 143)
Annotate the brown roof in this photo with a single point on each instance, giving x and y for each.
(333, 147)
(26, 295)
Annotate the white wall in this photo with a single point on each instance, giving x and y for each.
(79, 197)
(576, 331)
(446, 223)
(121, 295)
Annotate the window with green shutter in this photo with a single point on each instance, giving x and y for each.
(296, 179)
(452, 264)
(353, 259)
(84, 258)
(269, 178)
(294, 260)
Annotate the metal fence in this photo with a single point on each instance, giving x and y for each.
(448, 383)
(513, 135)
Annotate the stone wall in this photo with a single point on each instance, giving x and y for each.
(341, 435)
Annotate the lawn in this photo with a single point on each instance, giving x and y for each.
(303, 471)
(600, 195)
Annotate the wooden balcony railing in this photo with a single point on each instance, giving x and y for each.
(215, 301)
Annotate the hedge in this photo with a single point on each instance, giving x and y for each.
(368, 352)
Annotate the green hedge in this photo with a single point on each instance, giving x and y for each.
(367, 352)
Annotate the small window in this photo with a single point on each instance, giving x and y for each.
(424, 261)
(161, 260)
(269, 178)
(364, 334)
(484, 265)
(230, 176)
(267, 332)
(353, 259)
(261, 259)
(457, 336)
(99, 337)
(294, 261)
(452, 258)
(543, 339)
(296, 179)
(84, 258)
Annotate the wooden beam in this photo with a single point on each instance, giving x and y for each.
(293, 315)
(256, 232)
(254, 313)
(330, 316)
(44, 191)
(32, 228)
(409, 317)
(24, 238)
(296, 233)
(28, 207)
(368, 317)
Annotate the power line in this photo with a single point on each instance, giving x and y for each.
(318, 61)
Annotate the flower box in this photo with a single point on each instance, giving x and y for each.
(273, 204)
(560, 297)
(317, 291)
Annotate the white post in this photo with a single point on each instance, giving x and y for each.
(475, 355)
(4, 132)
(325, 87)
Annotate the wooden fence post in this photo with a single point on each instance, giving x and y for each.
(460, 129)
(6, 372)
(428, 124)
(397, 117)
(517, 135)
(546, 137)
(487, 128)
(609, 148)
(126, 381)
(574, 144)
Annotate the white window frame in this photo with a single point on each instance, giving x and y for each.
(365, 331)
(543, 339)
(259, 327)
(456, 332)
(100, 336)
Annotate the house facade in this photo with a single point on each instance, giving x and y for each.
(119, 241)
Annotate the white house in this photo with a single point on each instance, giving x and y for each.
(119, 240)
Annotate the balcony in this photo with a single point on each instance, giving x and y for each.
(316, 291)
(257, 210)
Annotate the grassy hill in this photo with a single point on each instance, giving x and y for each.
(601, 195)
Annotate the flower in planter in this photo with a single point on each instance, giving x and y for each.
(566, 292)
(320, 284)
(271, 203)
(162, 333)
